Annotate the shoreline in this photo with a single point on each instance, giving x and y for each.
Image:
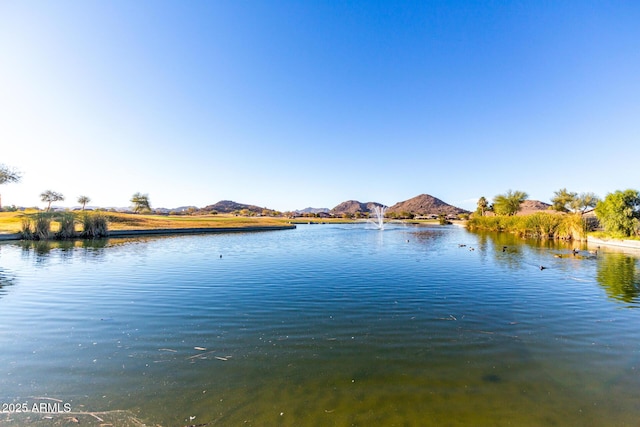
(628, 244)
(169, 231)
(622, 243)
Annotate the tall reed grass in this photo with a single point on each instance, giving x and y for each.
(41, 226)
(67, 226)
(540, 225)
(27, 229)
(94, 225)
(38, 226)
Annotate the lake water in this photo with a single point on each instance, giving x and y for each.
(325, 325)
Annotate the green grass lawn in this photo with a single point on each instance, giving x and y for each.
(11, 222)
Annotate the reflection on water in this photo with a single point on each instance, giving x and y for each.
(513, 252)
(619, 275)
(43, 252)
(322, 325)
(6, 279)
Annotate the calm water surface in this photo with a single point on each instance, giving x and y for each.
(325, 325)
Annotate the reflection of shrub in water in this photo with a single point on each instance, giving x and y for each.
(618, 275)
(47, 250)
(5, 280)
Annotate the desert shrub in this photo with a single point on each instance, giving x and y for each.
(491, 223)
(94, 225)
(41, 225)
(67, 229)
(540, 225)
(572, 227)
(26, 230)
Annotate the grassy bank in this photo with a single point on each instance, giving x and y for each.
(540, 225)
(122, 221)
(12, 222)
(608, 236)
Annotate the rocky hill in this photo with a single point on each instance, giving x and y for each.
(352, 207)
(228, 206)
(424, 204)
(531, 206)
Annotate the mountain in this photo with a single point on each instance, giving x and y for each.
(228, 206)
(313, 210)
(424, 204)
(353, 207)
(531, 206)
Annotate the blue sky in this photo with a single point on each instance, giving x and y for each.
(290, 104)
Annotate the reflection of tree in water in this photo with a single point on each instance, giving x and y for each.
(514, 252)
(506, 248)
(618, 274)
(39, 248)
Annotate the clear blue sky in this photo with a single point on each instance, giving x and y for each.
(289, 104)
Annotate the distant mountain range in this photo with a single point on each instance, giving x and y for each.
(312, 210)
(424, 204)
(352, 207)
(421, 205)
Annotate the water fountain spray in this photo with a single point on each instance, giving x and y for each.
(379, 219)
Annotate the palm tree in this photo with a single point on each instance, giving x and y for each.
(83, 200)
(482, 205)
(50, 196)
(140, 202)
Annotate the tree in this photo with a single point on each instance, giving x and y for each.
(563, 200)
(508, 203)
(83, 200)
(140, 202)
(619, 212)
(50, 197)
(8, 175)
(482, 206)
(584, 201)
